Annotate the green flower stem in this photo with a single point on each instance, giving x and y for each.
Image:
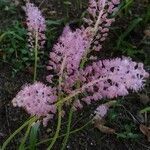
(79, 90)
(36, 56)
(60, 106)
(57, 130)
(72, 132)
(17, 131)
(83, 61)
(95, 29)
(68, 129)
(22, 145)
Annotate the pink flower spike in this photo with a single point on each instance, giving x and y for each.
(115, 77)
(35, 24)
(71, 45)
(100, 19)
(37, 99)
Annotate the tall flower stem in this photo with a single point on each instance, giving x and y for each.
(60, 106)
(80, 90)
(57, 130)
(68, 129)
(23, 141)
(35, 56)
(71, 132)
(94, 32)
(33, 119)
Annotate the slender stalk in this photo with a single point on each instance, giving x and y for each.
(80, 90)
(95, 29)
(61, 73)
(99, 18)
(72, 132)
(22, 145)
(17, 131)
(60, 106)
(35, 55)
(68, 130)
(57, 130)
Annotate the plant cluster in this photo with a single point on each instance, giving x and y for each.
(76, 76)
(70, 73)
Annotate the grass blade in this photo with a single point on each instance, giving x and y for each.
(133, 24)
(10, 33)
(22, 145)
(145, 110)
(17, 131)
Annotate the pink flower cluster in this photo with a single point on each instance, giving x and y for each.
(100, 12)
(102, 79)
(36, 25)
(101, 110)
(70, 48)
(37, 99)
(113, 78)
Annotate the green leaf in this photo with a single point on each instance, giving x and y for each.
(121, 135)
(147, 15)
(23, 141)
(126, 5)
(145, 110)
(132, 135)
(33, 136)
(10, 33)
(67, 3)
(131, 27)
(54, 22)
(25, 58)
(33, 119)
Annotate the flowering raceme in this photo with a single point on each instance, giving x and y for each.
(73, 45)
(101, 79)
(100, 19)
(110, 78)
(67, 45)
(70, 48)
(37, 99)
(36, 25)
